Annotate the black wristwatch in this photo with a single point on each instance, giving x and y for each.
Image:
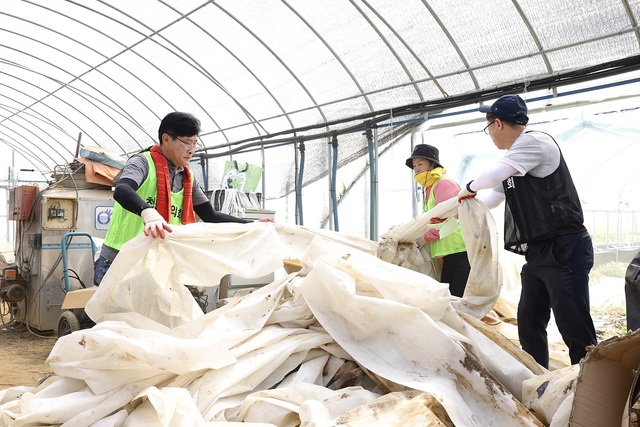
(469, 187)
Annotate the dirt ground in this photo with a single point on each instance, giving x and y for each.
(23, 355)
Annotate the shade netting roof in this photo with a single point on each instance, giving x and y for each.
(103, 73)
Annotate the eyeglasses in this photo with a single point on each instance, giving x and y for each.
(486, 128)
(188, 144)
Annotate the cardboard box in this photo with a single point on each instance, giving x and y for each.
(291, 265)
(7, 256)
(78, 298)
(605, 383)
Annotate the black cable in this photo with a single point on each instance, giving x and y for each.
(76, 277)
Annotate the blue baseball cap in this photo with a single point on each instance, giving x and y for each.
(510, 108)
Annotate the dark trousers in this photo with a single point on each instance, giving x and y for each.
(100, 267)
(556, 277)
(455, 272)
(632, 293)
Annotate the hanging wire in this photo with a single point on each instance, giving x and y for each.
(301, 148)
(334, 173)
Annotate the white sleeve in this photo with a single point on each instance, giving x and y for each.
(493, 177)
(491, 199)
(533, 153)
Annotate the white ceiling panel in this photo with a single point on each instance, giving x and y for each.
(253, 69)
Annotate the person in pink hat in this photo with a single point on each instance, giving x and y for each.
(438, 187)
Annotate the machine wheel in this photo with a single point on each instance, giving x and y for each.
(68, 323)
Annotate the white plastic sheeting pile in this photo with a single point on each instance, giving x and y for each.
(268, 358)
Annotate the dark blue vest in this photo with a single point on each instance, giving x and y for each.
(540, 208)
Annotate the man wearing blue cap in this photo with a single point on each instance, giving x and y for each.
(543, 222)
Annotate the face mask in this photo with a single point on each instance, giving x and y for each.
(428, 178)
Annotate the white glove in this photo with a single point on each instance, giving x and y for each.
(466, 193)
(154, 223)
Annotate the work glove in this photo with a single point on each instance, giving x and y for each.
(466, 193)
(431, 235)
(154, 223)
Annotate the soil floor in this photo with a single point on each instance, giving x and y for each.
(23, 356)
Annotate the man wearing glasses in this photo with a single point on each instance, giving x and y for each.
(156, 191)
(543, 222)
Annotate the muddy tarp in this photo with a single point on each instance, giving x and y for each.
(271, 357)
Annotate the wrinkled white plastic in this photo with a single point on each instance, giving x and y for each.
(265, 358)
(148, 275)
(481, 239)
(411, 349)
(545, 393)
